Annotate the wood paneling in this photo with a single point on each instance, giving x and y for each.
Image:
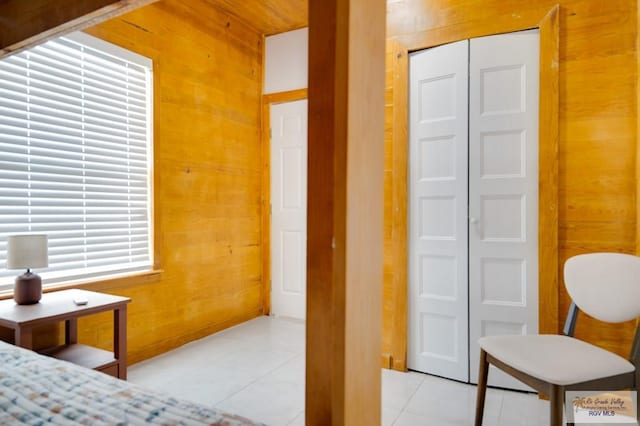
(24, 23)
(395, 260)
(208, 177)
(345, 206)
(268, 16)
(597, 142)
(548, 133)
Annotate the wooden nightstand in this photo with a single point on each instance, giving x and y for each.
(58, 306)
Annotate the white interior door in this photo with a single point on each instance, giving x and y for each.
(289, 209)
(438, 304)
(503, 191)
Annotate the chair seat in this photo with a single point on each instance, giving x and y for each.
(559, 360)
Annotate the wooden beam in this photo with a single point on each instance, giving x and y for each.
(26, 23)
(345, 211)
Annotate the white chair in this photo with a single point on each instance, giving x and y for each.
(606, 286)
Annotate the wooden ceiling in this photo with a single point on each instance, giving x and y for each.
(268, 16)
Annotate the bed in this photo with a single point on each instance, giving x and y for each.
(38, 390)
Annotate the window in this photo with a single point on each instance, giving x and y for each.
(75, 157)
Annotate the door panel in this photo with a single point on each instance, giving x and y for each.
(503, 191)
(438, 302)
(289, 209)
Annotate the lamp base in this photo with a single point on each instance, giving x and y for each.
(28, 289)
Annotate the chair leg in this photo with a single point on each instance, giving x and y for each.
(637, 405)
(482, 387)
(556, 405)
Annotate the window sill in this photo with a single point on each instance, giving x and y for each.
(138, 278)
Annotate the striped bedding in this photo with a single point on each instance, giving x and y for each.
(37, 390)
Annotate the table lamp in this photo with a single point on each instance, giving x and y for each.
(27, 251)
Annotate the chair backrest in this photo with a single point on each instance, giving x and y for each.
(605, 285)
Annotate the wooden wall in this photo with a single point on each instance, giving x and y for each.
(268, 16)
(208, 175)
(207, 164)
(597, 134)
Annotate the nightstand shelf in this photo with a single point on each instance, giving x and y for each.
(86, 356)
(58, 306)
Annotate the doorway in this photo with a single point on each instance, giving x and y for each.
(473, 200)
(288, 130)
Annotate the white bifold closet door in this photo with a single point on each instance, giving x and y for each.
(503, 191)
(473, 191)
(438, 186)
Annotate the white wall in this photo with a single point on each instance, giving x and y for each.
(286, 61)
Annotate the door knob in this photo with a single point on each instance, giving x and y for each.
(473, 220)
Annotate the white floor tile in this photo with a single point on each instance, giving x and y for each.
(523, 409)
(443, 400)
(410, 419)
(292, 371)
(493, 401)
(257, 369)
(257, 361)
(298, 421)
(398, 387)
(270, 333)
(389, 415)
(194, 356)
(274, 403)
(212, 386)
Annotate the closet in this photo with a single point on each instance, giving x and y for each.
(473, 200)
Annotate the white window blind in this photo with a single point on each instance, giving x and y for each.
(75, 156)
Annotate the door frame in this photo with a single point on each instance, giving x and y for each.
(265, 202)
(398, 50)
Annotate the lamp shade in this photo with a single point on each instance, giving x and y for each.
(27, 251)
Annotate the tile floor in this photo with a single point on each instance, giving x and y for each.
(256, 369)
